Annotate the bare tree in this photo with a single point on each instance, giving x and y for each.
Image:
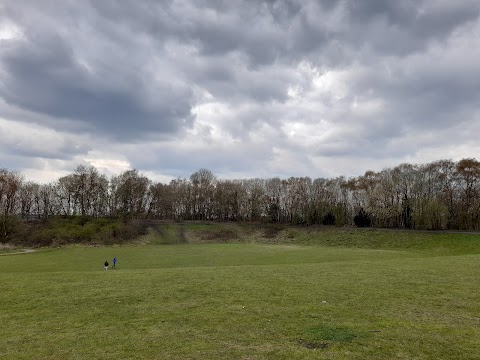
(27, 199)
(10, 183)
(468, 171)
(131, 193)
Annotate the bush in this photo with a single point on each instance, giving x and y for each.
(58, 231)
(9, 228)
(362, 219)
(329, 219)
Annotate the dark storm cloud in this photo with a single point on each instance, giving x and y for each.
(432, 90)
(181, 163)
(417, 20)
(16, 162)
(43, 75)
(136, 71)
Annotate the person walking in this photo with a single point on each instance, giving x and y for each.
(106, 265)
(114, 262)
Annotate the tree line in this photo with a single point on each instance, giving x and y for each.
(439, 195)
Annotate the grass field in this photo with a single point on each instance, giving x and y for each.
(225, 291)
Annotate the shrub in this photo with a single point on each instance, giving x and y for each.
(362, 219)
(9, 227)
(329, 219)
(58, 231)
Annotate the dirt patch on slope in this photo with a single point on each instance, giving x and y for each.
(223, 235)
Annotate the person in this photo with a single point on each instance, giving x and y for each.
(114, 262)
(106, 265)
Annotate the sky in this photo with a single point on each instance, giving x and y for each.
(245, 89)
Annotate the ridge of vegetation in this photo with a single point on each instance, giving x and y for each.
(453, 243)
(434, 196)
(60, 231)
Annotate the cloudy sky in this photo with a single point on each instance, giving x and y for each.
(243, 88)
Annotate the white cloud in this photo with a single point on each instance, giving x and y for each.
(9, 31)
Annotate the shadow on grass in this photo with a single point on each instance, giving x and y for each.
(324, 336)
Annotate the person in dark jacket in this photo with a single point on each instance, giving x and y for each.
(106, 265)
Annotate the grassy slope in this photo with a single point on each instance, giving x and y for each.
(393, 296)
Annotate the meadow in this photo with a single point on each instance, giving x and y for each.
(230, 291)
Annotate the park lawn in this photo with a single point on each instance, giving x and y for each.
(246, 300)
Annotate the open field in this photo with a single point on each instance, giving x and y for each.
(227, 291)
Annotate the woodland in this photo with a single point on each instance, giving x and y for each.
(441, 195)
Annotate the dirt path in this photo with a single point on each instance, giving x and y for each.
(182, 239)
(23, 251)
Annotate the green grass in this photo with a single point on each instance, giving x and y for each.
(323, 294)
(330, 333)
